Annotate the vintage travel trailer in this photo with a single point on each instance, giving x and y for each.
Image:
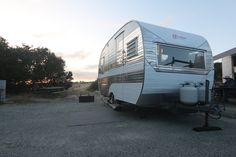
(144, 64)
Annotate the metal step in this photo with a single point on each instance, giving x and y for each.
(116, 107)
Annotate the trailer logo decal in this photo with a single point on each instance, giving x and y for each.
(175, 36)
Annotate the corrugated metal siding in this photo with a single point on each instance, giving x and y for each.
(129, 70)
(112, 57)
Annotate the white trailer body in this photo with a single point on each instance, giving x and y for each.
(144, 64)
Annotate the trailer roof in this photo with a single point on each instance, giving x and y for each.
(176, 37)
(170, 36)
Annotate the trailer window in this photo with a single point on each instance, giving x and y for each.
(180, 57)
(132, 48)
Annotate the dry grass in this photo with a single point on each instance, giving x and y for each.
(70, 94)
(25, 98)
(79, 88)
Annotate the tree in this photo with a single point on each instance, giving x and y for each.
(46, 66)
(93, 86)
(68, 79)
(4, 48)
(26, 66)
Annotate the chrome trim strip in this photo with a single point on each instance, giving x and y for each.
(180, 71)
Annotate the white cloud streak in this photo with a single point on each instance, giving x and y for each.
(167, 21)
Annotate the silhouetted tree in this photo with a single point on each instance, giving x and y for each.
(93, 86)
(26, 66)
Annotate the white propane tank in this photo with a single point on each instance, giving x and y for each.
(201, 93)
(188, 94)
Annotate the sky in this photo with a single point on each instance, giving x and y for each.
(77, 30)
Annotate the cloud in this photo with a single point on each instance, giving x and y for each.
(79, 55)
(93, 67)
(49, 35)
(83, 64)
(85, 72)
(167, 21)
(84, 75)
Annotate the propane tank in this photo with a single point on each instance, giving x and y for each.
(188, 94)
(201, 93)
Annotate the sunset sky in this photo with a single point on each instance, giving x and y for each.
(77, 30)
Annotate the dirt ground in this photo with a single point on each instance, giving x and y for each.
(58, 126)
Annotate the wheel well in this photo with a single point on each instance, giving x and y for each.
(111, 94)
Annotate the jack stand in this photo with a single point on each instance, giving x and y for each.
(206, 127)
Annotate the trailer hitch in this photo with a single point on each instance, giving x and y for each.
(209, 110)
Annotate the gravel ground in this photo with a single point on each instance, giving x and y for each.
(67, 128)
